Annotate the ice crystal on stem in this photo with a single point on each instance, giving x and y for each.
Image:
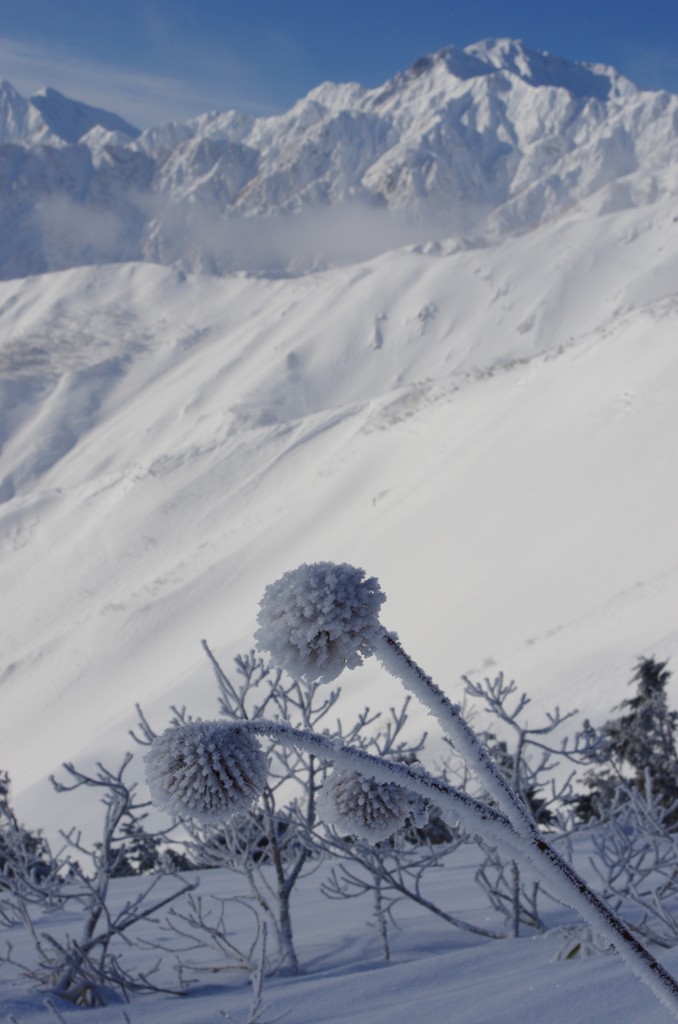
(205, 770)
(319, 619)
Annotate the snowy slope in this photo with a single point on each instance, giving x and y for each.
(491, 431)
(436, 972)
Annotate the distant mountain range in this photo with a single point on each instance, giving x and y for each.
(482, 141)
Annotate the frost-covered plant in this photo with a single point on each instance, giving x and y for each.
(477, 816)
(323, 618)
(29, 872)
(396, 869)
(635, 856)
(320, 619)
(529, 758)
(86, 968)
(364, 807)
(267, 842)
(279, 839)
(205, 770)
(271, 844)
(306, 630)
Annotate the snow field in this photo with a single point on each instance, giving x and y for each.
(436, 973)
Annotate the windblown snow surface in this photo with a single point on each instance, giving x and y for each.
(487, 422)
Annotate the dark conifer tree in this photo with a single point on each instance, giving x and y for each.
(641, 740)
(645, 736)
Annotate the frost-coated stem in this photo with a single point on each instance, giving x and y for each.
(387, 649)
(515, 898)
(474, 815)
(565, 881)
(382, 923)
(477, 816)
(568, 886)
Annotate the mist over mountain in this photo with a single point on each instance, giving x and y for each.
(480, 142)
(472, 395)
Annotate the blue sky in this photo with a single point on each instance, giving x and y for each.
(155, 60)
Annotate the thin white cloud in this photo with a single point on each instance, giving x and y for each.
(143, 99)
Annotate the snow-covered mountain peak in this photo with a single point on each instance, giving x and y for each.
(20, 122)
(336, 96)
(10, 96)
(100, 140)
(70, 119)
(537, 68)
(460, 63)
(437, 78)
(231, 124)
(49, 118)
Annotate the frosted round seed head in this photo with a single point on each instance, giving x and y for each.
(205, 770)
(320, 619)
(363, 807)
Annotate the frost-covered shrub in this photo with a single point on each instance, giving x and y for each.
(363, 807)
(87, 967)
(315, 622)
(23, 854)
(205, 770)
(320, 619)
(282, 830)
